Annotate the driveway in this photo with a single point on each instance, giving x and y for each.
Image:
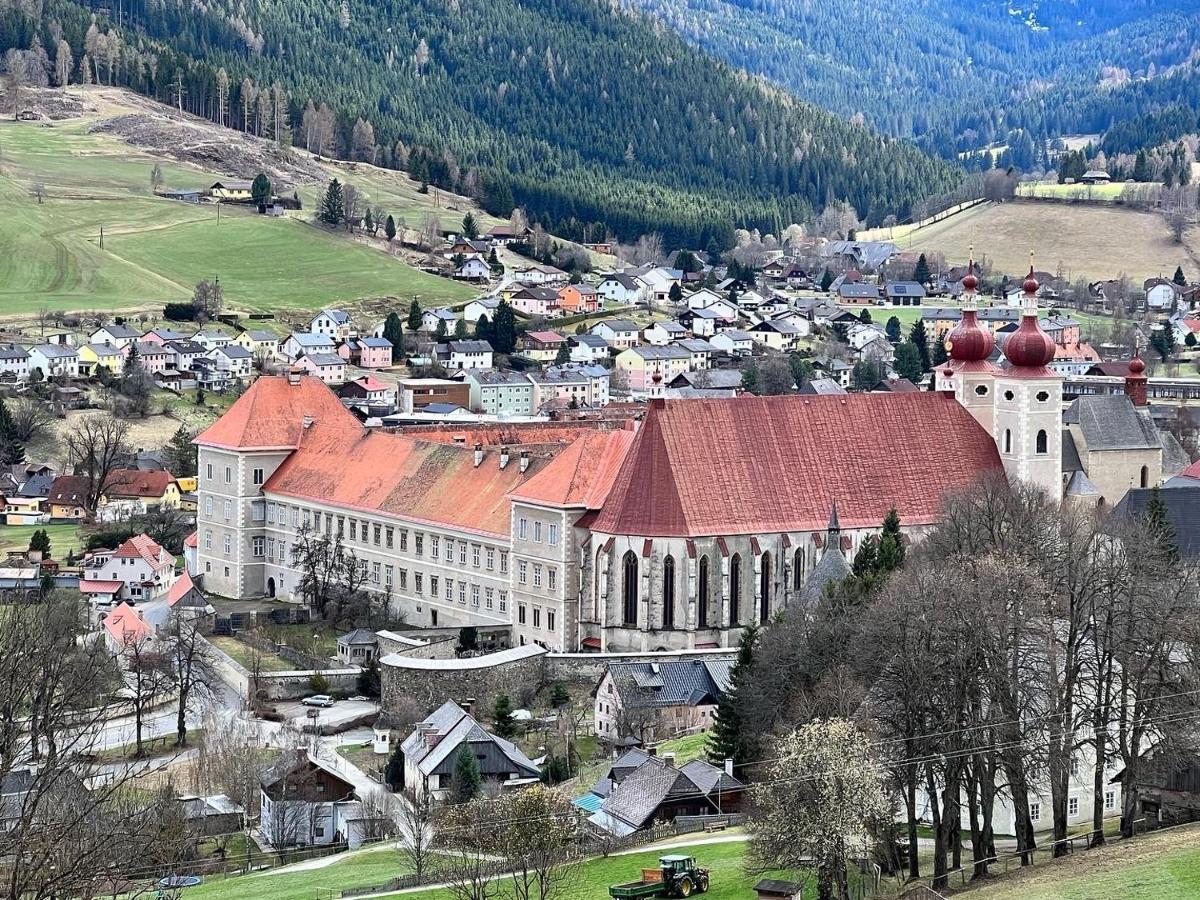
(332, 718)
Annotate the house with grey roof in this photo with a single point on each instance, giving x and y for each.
(660, 699)
(114, 334)
(14, 363)
(54, 359)
(431, 750)
(903, 293)
(299, 343)
(587, 348)
(501, 392)
(1181, 503)
(334, 323)
(642, 788)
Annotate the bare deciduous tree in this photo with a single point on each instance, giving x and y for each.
(95, 447)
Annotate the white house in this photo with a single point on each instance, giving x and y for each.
(304, 802)
(469, 355)
(329, 367)
(714, 302)
(54, 359)
(234, 360)
(114, 335)
(14, 363)
(480, 307)
(702, 352)
(619, 334)
(733, 342)
(587, 348)
(212, 338)
(431, 317)
(140, 569)
(1162, 294)
(662, 333)
(540, 275)
(473, 269)
(621, 289)
(858, 336)
(301, 342)
(333, 323)
(776, 334)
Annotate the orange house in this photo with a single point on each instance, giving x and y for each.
(576, 299)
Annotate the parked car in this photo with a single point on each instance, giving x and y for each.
(318, 700)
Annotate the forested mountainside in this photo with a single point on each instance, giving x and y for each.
(577, 110)
(956, 74)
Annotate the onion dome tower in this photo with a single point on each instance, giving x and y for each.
(968, 373)
(1028, 427)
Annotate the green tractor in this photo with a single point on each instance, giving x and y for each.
(677, 876)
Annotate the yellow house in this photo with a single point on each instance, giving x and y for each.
(100, 356)
(262, 344)
(189, 484)
(68, 498)
(230, 190)
(134, 490)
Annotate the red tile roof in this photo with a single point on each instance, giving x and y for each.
(179, 589)
(1192, 471)
(755, 465)
(192, 540)
(582, 475)
(100, 587)
(142, 546)
(403, 476)
(69, 489)
(270, 415)
(126, 625)
(136, 483)
(512, 435)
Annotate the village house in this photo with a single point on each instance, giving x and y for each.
(578, 299)
(53, 360)
(129, 492)
(467, 248)
(367, 352)
(903, 293)
(93, 357)
(776, 334)
(619, 334)
(587, 348)
(705, 322)
(112, 333)
(654, 701)
(14, 363)
(212, 338)
(417, 393)
(263, 345)
(231, 191)
(152, 358)
(702, 352)
(473, 269)
(67, 499)
(481, 307)
(857, 294)
(298, 343)
(142, 568)
(235, 362)
(467, 355)
(184, 354)
(504, 235)
(621, 289)
(357, 647)
(162, 335)
(540, 274)
(658, 280)
(648, 370)
(663, 332)
(542, 346)
(536, 301)
(303, 802)
(124, 628)
(369, 394)
(500, 392)
(432, 317)
(641, 789)
(733, 342)
(1165, 295)
(431, 750)
(329, 367)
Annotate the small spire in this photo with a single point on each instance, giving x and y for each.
(833, 527)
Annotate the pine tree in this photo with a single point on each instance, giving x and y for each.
(394, 773)
(502, 717)
(750, 378)
(39, 542)
(465, 781)
(939, 356)
(563, 356)
(460, 329)
(907, 362)
(414, 316)
(504, 329)
(866, 560)
(921, 273)
(260, 189)
(894, 334)
(726, 740)
(675, 295)
(919, 339)
(1141, 167)
(865, 317)
(494, 263)
(1180, 279)
(826, 279)
(389, 229)
(393, 331)
(483, 330)
(333, 204)
(1159, 525)
(439, 333)
(891, 543)
(179, 455)
(133, 359)
(470, 228)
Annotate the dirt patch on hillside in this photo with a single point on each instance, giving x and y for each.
(213, 149)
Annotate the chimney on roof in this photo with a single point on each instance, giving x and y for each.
(293, 375)
(669, 759)
(478, 454)
(503, 457)
(653, 751)
(524, 463)
(308, 421)
(729, 767)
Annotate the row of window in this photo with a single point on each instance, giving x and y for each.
(523, 616)
(258, 474)
(546, 576)
(1035, 807)
(524, 531)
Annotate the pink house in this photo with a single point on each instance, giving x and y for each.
(154, 358)
(367, 352)
(161, 336)
(537, 301)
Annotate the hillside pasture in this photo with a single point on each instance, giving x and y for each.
(1093, 242)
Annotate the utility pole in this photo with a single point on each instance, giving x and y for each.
(101, 237)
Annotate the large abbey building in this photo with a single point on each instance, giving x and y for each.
(672, 533)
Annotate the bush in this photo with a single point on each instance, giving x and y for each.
(318, 683)
(179, 312)
(368, 679)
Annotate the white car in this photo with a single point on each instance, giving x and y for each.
(318, 700)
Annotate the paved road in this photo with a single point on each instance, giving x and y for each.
(121, 730)
(328, 718)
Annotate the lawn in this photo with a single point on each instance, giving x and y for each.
(1151, 867)
(63, 538)
(152, 748)
(1093, 242)
(590, 881)
(686, 748)
(155, 250)
(243, 653)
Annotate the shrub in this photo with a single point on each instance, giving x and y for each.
(318, 683)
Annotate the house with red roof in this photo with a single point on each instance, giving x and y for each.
(139, 570)
(130, 492)
(125, 628)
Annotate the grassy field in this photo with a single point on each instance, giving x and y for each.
(591, 879)
(155, 250)
(1086, 241)
(1110, 191)
(63, 538)
(1149, 868)
(686, 748)
(242, 653)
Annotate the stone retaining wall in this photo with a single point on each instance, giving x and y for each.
(431, 682)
